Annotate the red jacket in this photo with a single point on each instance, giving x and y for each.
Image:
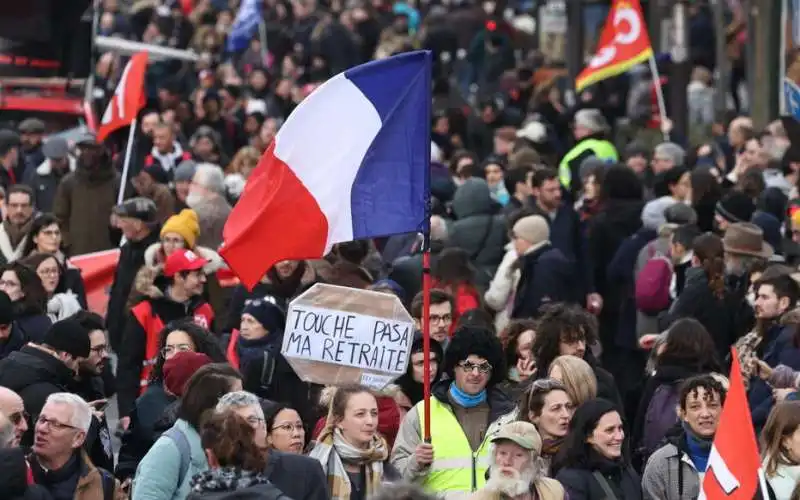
(388, 420)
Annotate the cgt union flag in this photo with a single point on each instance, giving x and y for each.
(128, 98)
(623, 44)
(734, 463)
(351, 162)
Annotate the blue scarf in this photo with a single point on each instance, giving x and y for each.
(697, 448)
(252, 350)
(465, 400)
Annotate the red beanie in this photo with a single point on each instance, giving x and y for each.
(179, 369)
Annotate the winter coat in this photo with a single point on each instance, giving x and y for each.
(283, 469)
(720, 316)
(9, 253)
(131, 259)
(142, 431)
(91, 483)
(670, 473)
(33, 325)
(83, 204)
(98, 440)
(544, 489)
(566, 234)
(581, 483)
(701, 104)
(784, 481)
(158, 472)
(232, 483)
(478, 229)
(34, 374)
(407, 271)
(212, 214)
(44, 183)
(13, 477)
(500, 295)
(271, 377)
(546, 276)
(133, 349)
(409, 437)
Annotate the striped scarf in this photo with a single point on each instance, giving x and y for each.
(333, 451)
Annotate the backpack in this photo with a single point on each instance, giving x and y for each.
(660, 417)
(180, 440)
(653, 283)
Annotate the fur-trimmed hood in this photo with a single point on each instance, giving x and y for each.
(215, 262)
(45, 168)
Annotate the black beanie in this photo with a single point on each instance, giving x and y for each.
(68, 336)
(736, 207)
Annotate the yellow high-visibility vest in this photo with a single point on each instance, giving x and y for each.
(455, 466)
(601, 148)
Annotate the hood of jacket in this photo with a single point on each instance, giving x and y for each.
(31, 365)
(153, 256)
(473, 198)
(653, 212)
(46, 168)
(230, 483)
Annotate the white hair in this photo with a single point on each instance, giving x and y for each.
(238, 399)
(438, 228)
(81, 411)
(211, 177)
(6, 431)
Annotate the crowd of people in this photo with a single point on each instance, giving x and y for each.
(587, 289)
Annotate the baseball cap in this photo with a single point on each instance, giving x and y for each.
(183, 260)
(522, 433)
(140, 208)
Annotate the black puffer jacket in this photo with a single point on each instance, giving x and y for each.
(581, 482)
(34, 374)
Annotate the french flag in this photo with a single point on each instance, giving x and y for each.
(351, 162)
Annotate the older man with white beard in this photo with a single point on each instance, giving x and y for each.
(514, 471)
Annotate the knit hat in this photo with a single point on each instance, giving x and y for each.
(653, 213)
(184, 224)
(6, 310)
(266, 312)
(522, 433)
(180, 368)
(771, 227)
(533, 229)
(68, 336)
(680, 214)
(185, 170)
(156, 171)
(736, 207)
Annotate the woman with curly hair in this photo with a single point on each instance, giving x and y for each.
(465, 408)
(565, 329)
(235, 461)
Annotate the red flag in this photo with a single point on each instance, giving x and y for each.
(623, 44)
(128, 98)
(97, 271)
(734, 462)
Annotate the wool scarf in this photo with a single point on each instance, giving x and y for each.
(251, 350)
(466, 400)
(698, 448)
(333, 451)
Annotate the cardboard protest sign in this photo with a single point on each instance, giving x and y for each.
(337, 335)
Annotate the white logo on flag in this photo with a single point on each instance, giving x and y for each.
(118, 99)
(722, 474)
(608, 53)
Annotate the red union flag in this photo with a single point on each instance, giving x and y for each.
(97, 271)
(733, 465)
(623, 44)
(128, 98)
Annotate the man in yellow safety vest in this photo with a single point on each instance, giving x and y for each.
(590, 131)
(463, 409)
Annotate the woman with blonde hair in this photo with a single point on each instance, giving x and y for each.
(577, 376)
(353, 455)
(780, 444)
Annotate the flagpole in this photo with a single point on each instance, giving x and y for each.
(426, 331)
(262, 36)
(127, 162)
(662, 108)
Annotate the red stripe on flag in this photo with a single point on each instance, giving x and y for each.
(275, 219)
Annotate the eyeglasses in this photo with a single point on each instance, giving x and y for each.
(18, 417)
(470, 367)
(167, 350)
(287, 427)
(254, 420)
(444, 318)
(100, 349)
(54, 424)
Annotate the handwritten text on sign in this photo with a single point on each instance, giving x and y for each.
(346, 338)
